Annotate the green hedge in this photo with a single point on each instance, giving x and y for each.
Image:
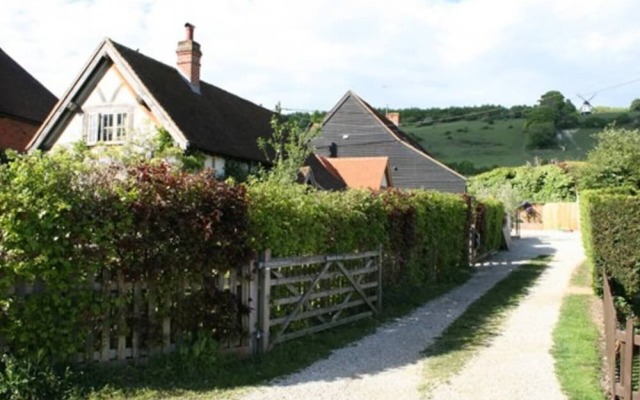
(292, 220)
(424, 234)
(64, 223)
(610, 221)
(489, 223)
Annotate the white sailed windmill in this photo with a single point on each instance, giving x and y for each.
(586, 108)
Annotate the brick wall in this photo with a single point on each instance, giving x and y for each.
(15, 134)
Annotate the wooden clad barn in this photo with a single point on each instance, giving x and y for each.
(355, 129)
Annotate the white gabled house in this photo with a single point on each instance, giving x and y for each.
(121, 92)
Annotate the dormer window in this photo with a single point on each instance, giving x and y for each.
(106, 127)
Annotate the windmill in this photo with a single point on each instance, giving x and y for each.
(586, 108)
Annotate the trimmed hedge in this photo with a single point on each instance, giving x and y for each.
(610, 221)
(489, 223)
(292, 220)
(65, 223)
(424, 234)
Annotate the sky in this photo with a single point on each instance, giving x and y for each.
(305, 54)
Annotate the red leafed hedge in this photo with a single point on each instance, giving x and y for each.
(66, 225)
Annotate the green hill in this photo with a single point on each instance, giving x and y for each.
(503, 142)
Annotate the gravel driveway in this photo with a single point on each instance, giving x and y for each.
(387, 364)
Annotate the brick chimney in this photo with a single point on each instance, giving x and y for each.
(394, 117)
(189, 58)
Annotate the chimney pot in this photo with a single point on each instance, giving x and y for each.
(190, 29)
(394, 117)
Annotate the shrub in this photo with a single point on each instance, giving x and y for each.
(542, 135)
(34, 378)
(614, 161)
(594, 121)
(540, 184)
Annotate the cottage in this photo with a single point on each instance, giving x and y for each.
(355, 129)
(122, 93)
(24, 104)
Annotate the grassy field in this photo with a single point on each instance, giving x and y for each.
(501, 143)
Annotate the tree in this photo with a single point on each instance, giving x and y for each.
(542, 135)
(287, 148)
(552, 113)
(635, 105)
(614, 161)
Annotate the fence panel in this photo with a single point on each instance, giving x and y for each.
(551, 216)
(119, 336)
(622, 348)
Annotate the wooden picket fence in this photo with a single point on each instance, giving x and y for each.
(288, 298)
(121, 339)
(622, 349)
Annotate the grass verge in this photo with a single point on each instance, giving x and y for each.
(232, 376)
(575, 344)
(478, 325)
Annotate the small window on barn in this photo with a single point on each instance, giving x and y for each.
(107, 127)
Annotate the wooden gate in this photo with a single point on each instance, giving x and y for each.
(303, 295)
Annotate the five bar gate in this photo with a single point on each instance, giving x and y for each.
(304, 295)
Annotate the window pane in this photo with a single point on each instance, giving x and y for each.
(106, 127)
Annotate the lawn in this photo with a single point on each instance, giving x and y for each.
(578, 360)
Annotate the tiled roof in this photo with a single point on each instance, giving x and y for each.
(359, 172)
(324, 174)
(21, 95)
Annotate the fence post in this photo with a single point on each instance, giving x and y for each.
(609, 333)
(379, 279)
(626, 362)
(264, 301)
(250, 299)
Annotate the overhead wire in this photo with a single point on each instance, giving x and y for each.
(492, 110)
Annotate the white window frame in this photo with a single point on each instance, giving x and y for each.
(107, 125)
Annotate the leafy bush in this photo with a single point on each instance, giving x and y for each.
(542, 135)
(68, 225)
(34, 379)
(540, 184)
(614, 161)
(594, 121)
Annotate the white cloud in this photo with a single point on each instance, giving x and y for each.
(306, 54)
